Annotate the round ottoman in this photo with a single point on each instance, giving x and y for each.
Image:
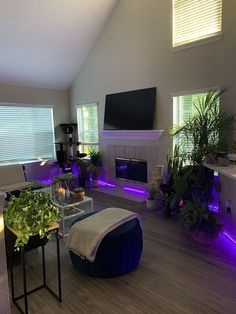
(118, 253)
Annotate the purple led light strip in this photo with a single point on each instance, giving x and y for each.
(103, 183)
(229, 237)
(126, 188)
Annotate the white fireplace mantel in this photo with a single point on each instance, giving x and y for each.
(132, 134)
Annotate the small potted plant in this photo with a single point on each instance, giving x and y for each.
(95, 157)
(151, 200)
(200, 221)
(31, 214)
(94, 171)
(79, 193)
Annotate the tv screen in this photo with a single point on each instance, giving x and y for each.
(133, 110)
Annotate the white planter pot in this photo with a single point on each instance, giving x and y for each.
(151, 204)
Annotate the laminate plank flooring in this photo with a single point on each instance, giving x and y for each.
(175, 274)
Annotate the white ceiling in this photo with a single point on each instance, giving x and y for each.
(43, 43)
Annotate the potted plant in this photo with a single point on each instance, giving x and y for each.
(151, 200)
(200, 221)
(95, 157)
(170, 197)
(207, 131)
(94, 171)
(79, 193)
(83, 176)
(30, 214)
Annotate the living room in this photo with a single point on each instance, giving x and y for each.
(70, 63)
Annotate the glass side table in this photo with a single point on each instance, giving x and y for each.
(72, 208)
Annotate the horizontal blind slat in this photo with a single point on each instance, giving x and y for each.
(26, 133)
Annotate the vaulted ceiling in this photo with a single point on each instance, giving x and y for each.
(43, 43)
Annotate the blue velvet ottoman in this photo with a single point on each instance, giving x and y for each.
(118, 253)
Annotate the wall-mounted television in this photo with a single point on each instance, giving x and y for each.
(132, 110)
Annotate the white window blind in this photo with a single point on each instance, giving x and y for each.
(87, 119)
(183, 110)
(194, 20)
(26, 133)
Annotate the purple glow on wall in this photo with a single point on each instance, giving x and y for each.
(75, 169)
(104, 183)
(138, 191)
(47, 181)
(214, 206)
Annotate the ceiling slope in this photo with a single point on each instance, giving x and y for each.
(44, 42)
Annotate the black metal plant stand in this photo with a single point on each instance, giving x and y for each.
(44, 285)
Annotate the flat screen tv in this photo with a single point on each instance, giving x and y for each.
(132, 110)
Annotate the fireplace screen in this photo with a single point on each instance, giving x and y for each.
(131, 169)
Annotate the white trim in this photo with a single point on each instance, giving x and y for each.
(87, 104)
(132, 134)
(195, 91)
(20, 104)
(198, 42)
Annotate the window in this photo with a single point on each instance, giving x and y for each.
(87, 118)
(194, 20)
(183, 109)
(26, 133)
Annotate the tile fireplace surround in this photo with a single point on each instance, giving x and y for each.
(150, 146)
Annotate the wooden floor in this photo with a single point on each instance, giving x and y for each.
(175, 275)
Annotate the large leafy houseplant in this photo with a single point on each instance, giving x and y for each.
(168, 188)
(200, 221)
(207, 131)
(32, 213)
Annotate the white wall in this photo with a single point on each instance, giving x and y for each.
(31, 95)
(133, 51)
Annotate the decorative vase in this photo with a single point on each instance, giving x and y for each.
(151, 203)
(67, 194)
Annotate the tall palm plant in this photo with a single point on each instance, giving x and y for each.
(208, 130)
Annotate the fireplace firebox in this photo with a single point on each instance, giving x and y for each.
(131, 169)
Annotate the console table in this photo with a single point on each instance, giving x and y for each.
(55, 229)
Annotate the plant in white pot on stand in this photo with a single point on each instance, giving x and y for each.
(151, 200)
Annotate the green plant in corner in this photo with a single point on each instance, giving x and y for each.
(200, 221)
(30, 214)
(207, 131)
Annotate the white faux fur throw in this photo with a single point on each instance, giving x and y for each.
(86, 235)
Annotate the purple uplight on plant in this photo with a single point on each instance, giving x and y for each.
(138, 191)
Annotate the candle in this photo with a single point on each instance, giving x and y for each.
(61, 194)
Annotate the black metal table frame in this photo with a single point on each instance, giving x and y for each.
(44, 285)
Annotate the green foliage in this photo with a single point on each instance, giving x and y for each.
(64, 179)
(194, 182)
(94, 170)
(174, 166)
(208, 130)
(95, 157)
(196, 218)
(29, 214)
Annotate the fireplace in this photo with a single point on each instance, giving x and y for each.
(131, 169)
